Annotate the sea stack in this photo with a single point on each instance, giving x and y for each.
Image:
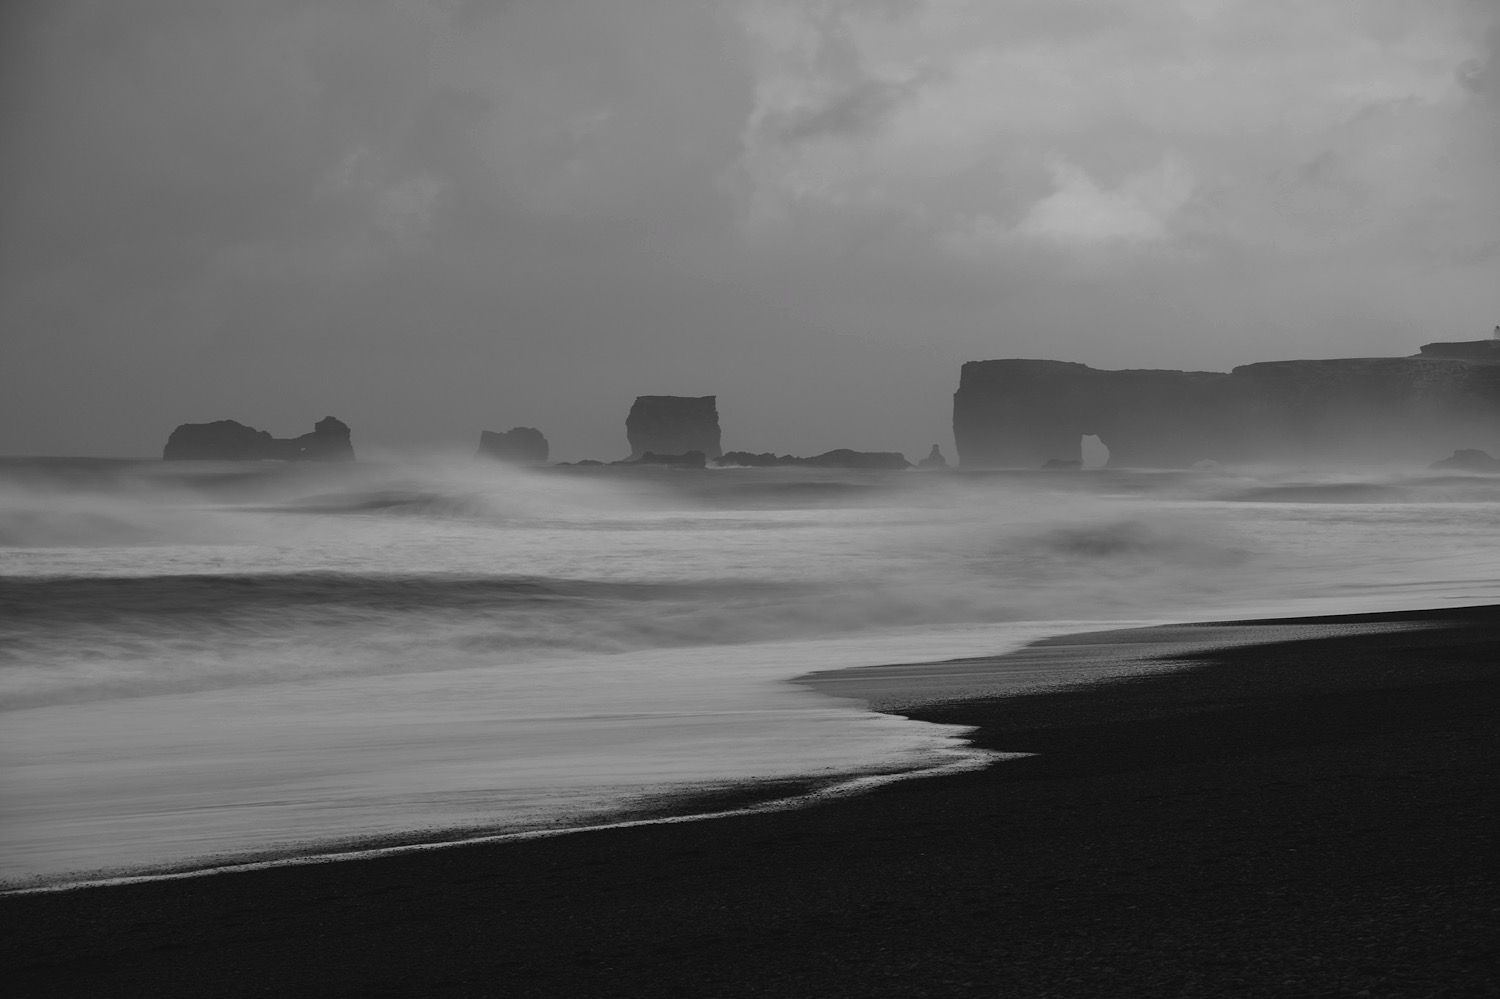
(227, 440)
(673, 424)
(1022, 413)
(1468, 460)
(517, 446)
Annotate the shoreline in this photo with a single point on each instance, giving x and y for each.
(715, 800)
(770, 795)
(1137, 787)
(739, 785)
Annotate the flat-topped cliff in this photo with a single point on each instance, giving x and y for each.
(1023, 413)
(227, 440)
(673, 424)
(1480, 351)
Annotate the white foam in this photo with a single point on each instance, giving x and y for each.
(963, 760)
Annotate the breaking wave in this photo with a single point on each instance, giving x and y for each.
(302, 644)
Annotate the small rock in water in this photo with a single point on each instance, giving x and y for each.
(934, 459)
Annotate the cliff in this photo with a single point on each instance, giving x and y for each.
(1024, 413)
(673, 424)
(518, 445)
(1480, 351)
(226, 440)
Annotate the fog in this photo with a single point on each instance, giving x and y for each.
(432, 217)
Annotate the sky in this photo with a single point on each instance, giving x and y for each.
(434, 217)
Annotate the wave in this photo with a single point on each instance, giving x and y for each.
(165, 579)
(1476, 488)
(1141, 540)
(105, 598)
(91, 503)
(74, 638)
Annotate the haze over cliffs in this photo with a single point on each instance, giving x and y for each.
(1030, 413)
(1024, 413)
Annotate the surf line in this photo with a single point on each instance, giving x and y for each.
(967, 759)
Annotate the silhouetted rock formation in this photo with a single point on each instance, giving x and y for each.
(688, 459)
(934, 459)
(840, 458)
(1023, 413)
(747, 460)
(223, 439)
(1469, 460)
(519, 446)
(226, 440)
(673, 424)
(329, 441)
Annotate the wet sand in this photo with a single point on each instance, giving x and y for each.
(1300, 809)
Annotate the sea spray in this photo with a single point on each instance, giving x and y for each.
(206, 658)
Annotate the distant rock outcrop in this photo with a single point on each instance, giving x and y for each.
(1468, 460)
(226, 440)
(329, 441)
(1023, 413)
(673, 424)
(840, 458)
(688, 459)
(518, 446)
(745, 459)
(934, 459)
(845, 458)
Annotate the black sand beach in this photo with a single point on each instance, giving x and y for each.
(1306, 817)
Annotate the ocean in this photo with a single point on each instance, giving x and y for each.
(203, 664)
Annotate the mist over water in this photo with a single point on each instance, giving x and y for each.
(224, 659)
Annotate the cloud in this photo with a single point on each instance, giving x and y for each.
(503, 206)
(1141, 208)
(998, 95)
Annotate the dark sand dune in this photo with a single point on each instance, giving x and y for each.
(1313, 817)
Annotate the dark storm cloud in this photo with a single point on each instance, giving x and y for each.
(430, 217)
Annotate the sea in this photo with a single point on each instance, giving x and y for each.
(205, 665)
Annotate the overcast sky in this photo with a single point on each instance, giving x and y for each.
(433, 217)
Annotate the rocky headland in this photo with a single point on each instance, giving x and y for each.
(517, 446)
(226, 440)
(1024, 413)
